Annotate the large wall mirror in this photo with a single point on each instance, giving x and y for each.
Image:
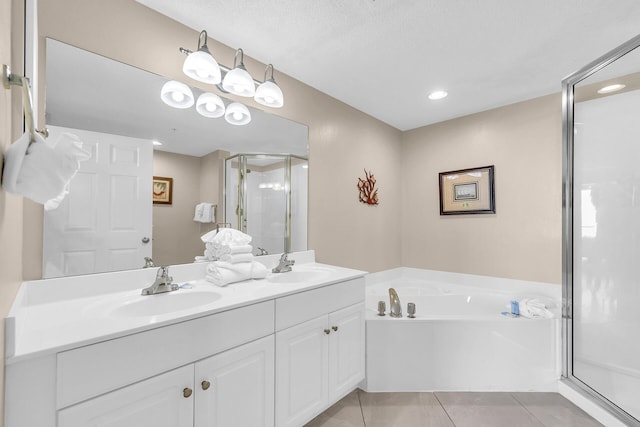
(108, 222)
(602, 230)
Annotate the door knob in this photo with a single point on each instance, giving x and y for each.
(187, 392)
(145, 240)
(205, 385)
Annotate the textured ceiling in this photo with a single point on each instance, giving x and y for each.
(383, 57)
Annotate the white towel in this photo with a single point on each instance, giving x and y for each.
(224, 273)
(220, 250)
(197, 215)
(226, 236)
(236, 258)
(535, 308)
(43, 170)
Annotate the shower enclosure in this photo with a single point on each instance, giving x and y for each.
(601, 283)
(266, 197)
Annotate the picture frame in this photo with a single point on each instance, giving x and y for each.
(467, 191)
(162, 190)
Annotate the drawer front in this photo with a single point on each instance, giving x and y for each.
(95, 369)
(294, 309)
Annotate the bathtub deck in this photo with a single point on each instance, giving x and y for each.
(453, 409)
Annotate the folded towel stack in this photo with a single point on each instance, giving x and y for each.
(233, 257)
(205, 213)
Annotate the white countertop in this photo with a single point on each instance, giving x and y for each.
(54, 315)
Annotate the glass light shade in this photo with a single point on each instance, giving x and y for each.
(239, 82)
(210, 105)
(237, 114)
(176, 94)
(269, 94)
(203, 67)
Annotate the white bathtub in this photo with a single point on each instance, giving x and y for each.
(459, 340)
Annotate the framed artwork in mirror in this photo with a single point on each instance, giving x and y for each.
(467, 191)
(162, 190)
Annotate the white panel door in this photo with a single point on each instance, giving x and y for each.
(302, 353)
(104, 223)
(236, 388)
(161, 401)
(346, 350)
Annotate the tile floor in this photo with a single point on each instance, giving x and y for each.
(459, 409)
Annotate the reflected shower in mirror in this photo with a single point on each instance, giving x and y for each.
(108, 221)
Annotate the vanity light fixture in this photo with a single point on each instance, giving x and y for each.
(237, 114)
(238, 81)
(611, 88)
(176, 94)
(200, 65)
(210, 105)
(438, 94)
(268, 93)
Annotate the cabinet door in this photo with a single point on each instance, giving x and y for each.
(162, 401)
(346, 350)
(235, 388)
(302, 353)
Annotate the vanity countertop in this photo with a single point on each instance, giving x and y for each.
(54, 315)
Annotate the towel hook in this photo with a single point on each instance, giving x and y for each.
(8, 80)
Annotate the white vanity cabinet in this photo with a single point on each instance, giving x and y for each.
(231, 389)
(318, 360)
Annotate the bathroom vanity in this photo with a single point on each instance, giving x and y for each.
(90, 350)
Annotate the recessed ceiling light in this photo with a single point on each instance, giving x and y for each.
(157, 142)
(611, 88)
(438, 94)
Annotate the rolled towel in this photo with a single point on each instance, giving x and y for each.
(535, 308)
(236, 258)
(258, 270)
(220, 250)
(255, 269)
(223, 273)
(226, 236)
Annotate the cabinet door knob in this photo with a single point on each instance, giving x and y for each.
(327, 331)
(335, 328)
(187, 392)
(205, 385)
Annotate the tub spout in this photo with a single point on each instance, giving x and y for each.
(395, 309)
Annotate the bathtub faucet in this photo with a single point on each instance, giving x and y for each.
(395, 309)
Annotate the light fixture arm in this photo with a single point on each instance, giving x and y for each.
(204, 45)
(235, 58)
(267, 70)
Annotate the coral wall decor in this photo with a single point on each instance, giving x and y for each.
(368, 190)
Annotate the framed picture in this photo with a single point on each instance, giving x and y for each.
(467, 191)
(162, 190)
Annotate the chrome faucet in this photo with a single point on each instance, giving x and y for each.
(162, 284)
(395, 309)
(148, 262)
(263, 251)
(284, 265)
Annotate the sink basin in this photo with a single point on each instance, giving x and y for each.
(154, 305)
(299, 274)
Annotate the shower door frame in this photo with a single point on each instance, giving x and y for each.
(567, 225)
(242, 189)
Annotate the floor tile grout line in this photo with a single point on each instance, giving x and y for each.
(514, 397)
(364, 422)
(443, 408)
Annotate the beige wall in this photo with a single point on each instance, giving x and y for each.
(11, 18)
(523, 239)
(176, 237)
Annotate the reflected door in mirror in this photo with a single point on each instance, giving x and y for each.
(104, 223)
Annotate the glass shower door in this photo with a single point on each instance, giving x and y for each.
(602, 282)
